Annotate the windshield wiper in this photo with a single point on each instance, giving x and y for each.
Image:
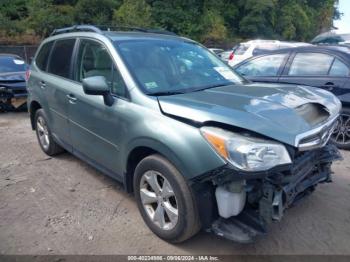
(169, 93)
(212, 86)
(166, 93)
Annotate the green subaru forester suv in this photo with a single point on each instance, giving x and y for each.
(199, 146)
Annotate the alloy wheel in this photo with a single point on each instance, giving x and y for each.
(43, 132)
(158, 200)
(341, 133)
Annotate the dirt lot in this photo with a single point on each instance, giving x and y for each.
(63, 206)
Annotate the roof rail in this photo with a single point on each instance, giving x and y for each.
(76, 28)
(134, 28)
(98, 29)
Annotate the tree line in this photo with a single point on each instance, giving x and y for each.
(207, 21)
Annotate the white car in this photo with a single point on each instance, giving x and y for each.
(248, 49)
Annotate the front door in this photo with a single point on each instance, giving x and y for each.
(264, 68)
(95, 128)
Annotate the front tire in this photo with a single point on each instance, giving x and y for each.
(44, 135)
(165, 200)
(341, 134)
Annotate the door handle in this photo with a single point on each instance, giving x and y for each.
(72, 99)
(42, 84)
(329, 86)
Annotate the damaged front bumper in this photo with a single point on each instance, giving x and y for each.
(12, 97)
(268, 194)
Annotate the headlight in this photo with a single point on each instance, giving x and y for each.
(244, 152)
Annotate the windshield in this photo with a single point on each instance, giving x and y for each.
(170, 66)
(11, 64)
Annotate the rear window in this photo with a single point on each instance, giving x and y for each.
(43, 56)
(11, 64)
(241, 49)
(61, 56)
(308, 64)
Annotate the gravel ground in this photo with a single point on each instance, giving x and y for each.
(63, 206)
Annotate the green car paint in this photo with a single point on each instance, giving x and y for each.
(107, 135)
(173, 122)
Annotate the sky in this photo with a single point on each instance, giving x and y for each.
(343, 24)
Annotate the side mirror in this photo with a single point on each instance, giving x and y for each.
(97, 85)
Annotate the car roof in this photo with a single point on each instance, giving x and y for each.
(120, 36)
(335, 49)
(260, 41)
(113, 33)
(132, 35)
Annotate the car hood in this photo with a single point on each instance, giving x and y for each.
(14, 81)
(279, 111)
(12, 77)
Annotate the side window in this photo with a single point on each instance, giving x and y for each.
(339, 69)
(43, 56)
(262, 66)
(61, 56)
(309, 64)
(94, 60)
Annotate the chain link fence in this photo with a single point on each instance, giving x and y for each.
(24, 51)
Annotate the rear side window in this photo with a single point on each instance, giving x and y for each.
(61, 56)
(339, 69)
(309, 64)
(262, 66)
(43, 56)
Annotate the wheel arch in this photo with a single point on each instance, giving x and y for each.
(34, 106)
(138, 152)
(346, 104)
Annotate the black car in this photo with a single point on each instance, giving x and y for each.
(13, 91)
(326, 67)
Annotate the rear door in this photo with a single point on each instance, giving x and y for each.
(317, 69)
(57, 84)
(265, 68)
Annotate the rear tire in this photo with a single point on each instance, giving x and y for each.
(44, 135)
(341, 134)
(171, 212)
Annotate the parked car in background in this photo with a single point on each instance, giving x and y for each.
(225, 56)
(198, 145)
(331, 37)
(13, 92)
(248, 49)
(326, 67)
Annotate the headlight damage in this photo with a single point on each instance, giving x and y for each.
(262, 179)
(244, 152)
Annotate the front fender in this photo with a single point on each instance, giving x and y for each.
(182, 144)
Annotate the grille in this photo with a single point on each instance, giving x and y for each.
(318, 137)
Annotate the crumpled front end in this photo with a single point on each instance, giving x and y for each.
(266, 195)
(13, 95)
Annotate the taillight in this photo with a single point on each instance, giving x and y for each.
(231, 56)
(27, 75)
